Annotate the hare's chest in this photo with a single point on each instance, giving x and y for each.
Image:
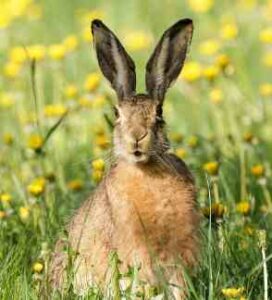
(143, 200)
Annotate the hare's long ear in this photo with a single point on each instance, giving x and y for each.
(168, 58)
(114, 62)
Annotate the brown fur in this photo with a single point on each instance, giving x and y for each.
(145, 206)
(142, 213)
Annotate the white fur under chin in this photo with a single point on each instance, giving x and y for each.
(137, 160)
(132, 160)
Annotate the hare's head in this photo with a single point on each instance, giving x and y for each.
(138, 132)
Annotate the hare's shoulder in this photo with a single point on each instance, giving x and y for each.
(181, 167)
(94, 213)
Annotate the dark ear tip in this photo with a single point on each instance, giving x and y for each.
(96, 23)
(185, 22)
(180, 25)
(188, 21)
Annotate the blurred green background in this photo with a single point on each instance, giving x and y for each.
(55, 138)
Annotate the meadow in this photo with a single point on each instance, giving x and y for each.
(55, 134)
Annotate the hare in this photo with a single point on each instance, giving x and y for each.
(145, 207)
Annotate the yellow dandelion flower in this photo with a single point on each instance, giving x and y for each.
(99, 101)
(176, 137)
(216, 95)
(267, 59)
(6, 100)
(70, 43)
(37, 267)
(12, 69)
(19, 7)
(17, 55)
(36, 52)
(5, 198)
(37, 187)
(265, 89)
(191, 71)
(137, 40)
(75, 185)
(217, 211)
(211, 167)
(8, 138)
(85, 102)
(92, 81)
(222, 61)
(97, 175)
(200, 6)
(243, 207)
(98, 164)
(233, 292)
(71, 91)
(35, 142)
(5, 20)
(209, 47)
(258, 170)
(54, 110)
(193, 141)
(57, 51)
(24, 213)
(265, 35)
(229, 31)
(102, 141)
(248, 137)
(181, 153)
(211, 72)
(3, 214)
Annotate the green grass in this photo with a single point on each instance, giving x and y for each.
(231, 251)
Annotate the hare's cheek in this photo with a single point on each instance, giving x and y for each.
(128, 143)
(121, 140)
(117, 137)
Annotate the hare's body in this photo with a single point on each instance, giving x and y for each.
(144, 208)
(146, 214)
